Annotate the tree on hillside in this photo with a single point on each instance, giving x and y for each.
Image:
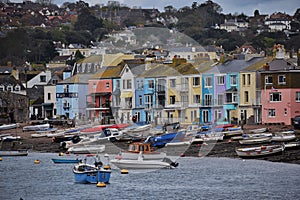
(87, 21)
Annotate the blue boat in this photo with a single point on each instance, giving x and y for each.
(60, 161)
(162, 140)
(86, 173)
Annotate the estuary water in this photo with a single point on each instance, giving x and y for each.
(195, 178)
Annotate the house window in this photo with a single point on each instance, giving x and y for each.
(281, 80)
(205, 116)
(173, 83)
(117, 84)
(17, 88)
(220, 100)
(231, 98)
(66, 88)
(218, 114)
(297, 96)
(244, 79)
(94, 86)
(43, 79)
(107, 85)
(2, 88)
(220, 80)
(208, 100)
(49, 96)
(196, 98)
(161, 85)
(127, 84)
(140, 84)
(140, 100)
(233, 80)
(271, 113)
(275, 96)
(268, 80)
(10, 88)
(246, 96)
(148, 101)
(208, 82)
(249, 79)
(196, 81)
(172, 99)
(184, 100)
(151, 84)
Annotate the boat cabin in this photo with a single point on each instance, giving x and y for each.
(136, 147)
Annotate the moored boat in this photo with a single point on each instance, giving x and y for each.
(14, 153)
(65, 161)
(87, 149)
(86, 173)
(259, 151)
(142, 164)
(283, 137)
(255, 140)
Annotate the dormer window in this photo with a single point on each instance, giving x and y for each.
(17, 88)
(43, 79)
(10, 88)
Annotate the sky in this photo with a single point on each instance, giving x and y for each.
(229, 6)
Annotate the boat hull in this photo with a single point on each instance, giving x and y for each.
(254, 152)
(140, 164)
(66, 161)
(87, 174)
(13, 153)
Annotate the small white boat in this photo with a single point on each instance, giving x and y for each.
(283, 136)
(87, 149)
(8, 137)
(259, 130)
(43, 133)
(140, 163)
(292, 144)
(14, 153)
(255, 140)
(259, 151)
(36, 127)
(8, 126)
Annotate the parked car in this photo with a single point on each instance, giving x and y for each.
(297, 122)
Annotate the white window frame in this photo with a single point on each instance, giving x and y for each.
(233, 79)
(268, 79)
(272, 97)
(297, 96)
(283, 82)
(271, 113)
(208, 82)
(220, 80)
(196, 98)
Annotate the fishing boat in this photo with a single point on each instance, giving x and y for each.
(232, 131)
(135, 148)
(87, 149)
(36, 127)
(65, 161)
(259, 130)
(259, 151)
(255, 140)
(87, 173)
(8, 126)
(14, 153)
(143, 164)
(161, 140)
(284, 136)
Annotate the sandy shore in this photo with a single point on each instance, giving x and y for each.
(225, 148)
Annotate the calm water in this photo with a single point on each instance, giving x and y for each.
(195, 178)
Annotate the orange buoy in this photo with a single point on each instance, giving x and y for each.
(124, 171)
(101, 184)
(37, 161)
(229, 141)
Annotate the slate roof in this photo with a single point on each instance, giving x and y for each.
(232, 66)
(8, 79)
(77, 79)
(161, 70)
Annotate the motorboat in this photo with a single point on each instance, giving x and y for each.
(142, 164)
(36, 127)
(14, 153)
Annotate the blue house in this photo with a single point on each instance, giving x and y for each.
(71, 95)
